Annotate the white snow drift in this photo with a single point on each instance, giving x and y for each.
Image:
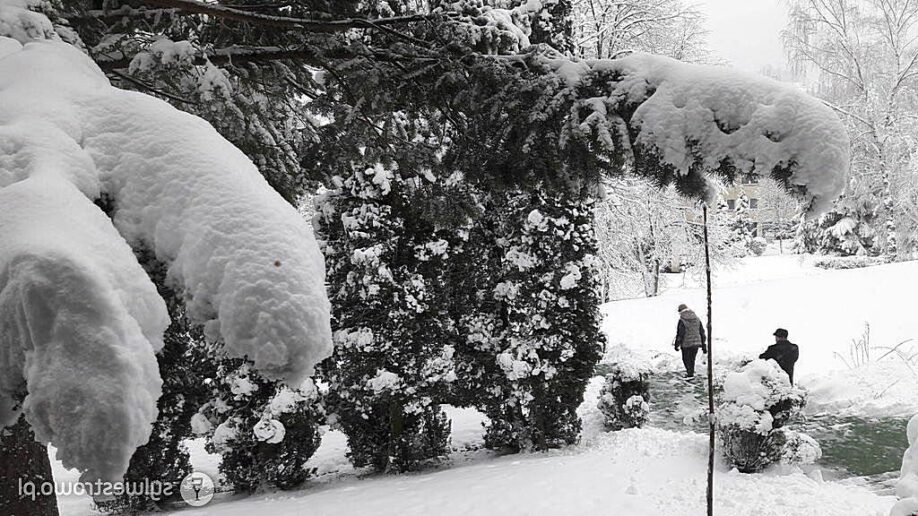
(80, 319)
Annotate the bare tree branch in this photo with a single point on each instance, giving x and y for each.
(268, 20)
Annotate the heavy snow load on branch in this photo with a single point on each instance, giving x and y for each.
(698, 118)
(79, 325)
(80, 319)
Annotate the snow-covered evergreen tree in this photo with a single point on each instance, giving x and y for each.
(183, 366)
(530, 346)
(734, 231)
(393, 362)
(847, 230)
(70, 268)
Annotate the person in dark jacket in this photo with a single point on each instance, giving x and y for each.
(784, 352)
(690, 338)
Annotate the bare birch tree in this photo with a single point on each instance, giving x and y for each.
(861, 58)
(604, 28)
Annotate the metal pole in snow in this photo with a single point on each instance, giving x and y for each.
(707, 268)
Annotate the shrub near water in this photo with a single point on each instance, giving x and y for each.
(624, 398)
(755, 404)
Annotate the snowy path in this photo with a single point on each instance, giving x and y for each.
(633, 473)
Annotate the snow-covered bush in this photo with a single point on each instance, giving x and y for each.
(393, 363)
(757, 245)
(624, 398)
(264, 431)
(907, 486)
(755, 404)
(496, 310)
(849, 229)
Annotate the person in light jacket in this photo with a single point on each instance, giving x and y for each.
(690, 337)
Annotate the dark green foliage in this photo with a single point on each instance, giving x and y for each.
(164, 458)
(498, 312)
(23, 459)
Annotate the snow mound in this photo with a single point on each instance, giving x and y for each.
(693, 114)
(23, 25)
(907, 486)
(81, 320)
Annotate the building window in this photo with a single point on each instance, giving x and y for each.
(753, 203)
(731, 204)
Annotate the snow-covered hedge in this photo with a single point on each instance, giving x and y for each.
(755, 404)
(80, 320)
(624, 398)
(848, 262)
(907, 487)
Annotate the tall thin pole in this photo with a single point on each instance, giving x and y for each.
(707, 269)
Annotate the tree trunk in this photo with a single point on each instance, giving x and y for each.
(707, 270)
(24, 467)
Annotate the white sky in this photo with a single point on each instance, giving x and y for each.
(747, 33)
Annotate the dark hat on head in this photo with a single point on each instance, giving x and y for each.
(682, 307)
(780, 332)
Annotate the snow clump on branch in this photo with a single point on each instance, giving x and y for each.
(80, 319)
(693, 116)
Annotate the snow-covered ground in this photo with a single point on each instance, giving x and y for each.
(649, 471)
(824, 311)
